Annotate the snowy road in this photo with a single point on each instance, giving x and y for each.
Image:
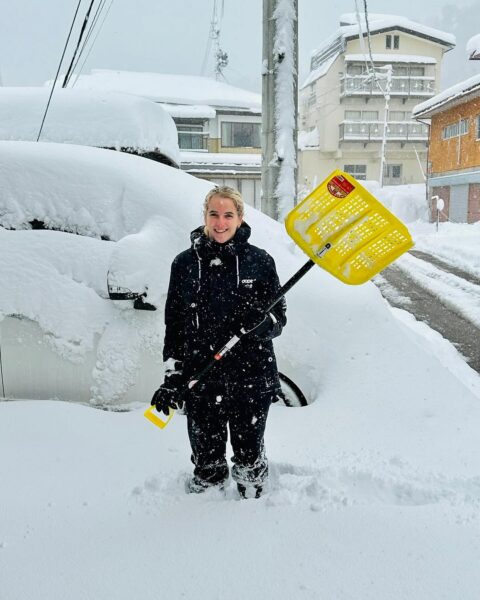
(444, 296)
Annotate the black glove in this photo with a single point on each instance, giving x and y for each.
(169, 394)
(255, 319)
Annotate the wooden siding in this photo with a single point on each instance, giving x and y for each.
(461, 152)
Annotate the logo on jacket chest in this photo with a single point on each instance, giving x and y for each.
(248, 283)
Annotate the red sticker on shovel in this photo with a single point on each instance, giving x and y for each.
(339, 187)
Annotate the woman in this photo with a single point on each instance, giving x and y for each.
(217, 287)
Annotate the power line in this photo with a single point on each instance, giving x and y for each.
(93, 43)
(87, 37)
(58, 70)
(82, 31)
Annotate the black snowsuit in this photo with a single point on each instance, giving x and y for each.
(211, 286)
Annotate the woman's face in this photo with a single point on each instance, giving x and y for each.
(221, 219)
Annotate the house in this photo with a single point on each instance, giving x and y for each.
(218, 125)
(454, 152)
(101, 119)
(343, 102)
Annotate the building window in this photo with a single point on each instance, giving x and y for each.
(393, 173)
(398, 115)
(357, 171)
(455, 129)
(478, 127)
(240, 135)
(392, 41)
(191, 137)
(361, 115)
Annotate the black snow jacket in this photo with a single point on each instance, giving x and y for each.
(211, 286)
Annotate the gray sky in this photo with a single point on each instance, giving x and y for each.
(171, 36)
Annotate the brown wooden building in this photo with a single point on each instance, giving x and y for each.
(454, 150)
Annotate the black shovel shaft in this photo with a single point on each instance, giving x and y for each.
(236, 338)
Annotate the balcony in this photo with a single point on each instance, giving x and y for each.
(408, 86)
(397, 131)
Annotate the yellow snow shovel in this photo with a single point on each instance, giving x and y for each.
(344, 230)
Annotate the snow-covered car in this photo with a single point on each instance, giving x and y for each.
(80, 226)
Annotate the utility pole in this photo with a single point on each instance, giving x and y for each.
(279, 106)
(388, 87)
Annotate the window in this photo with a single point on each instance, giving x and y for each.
(357, 171)
(355, 69)
(392, 172)
(417, 71)
(392, 38)
(191, 137)
(361, 115)
(455, 129)
(398, 115)
(478, 127)
(240, 135)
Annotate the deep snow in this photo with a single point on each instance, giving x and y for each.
(375, 487)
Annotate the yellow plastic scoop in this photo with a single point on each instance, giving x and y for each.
(364, 236)
(152, 415)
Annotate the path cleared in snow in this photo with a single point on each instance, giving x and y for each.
(444, 296)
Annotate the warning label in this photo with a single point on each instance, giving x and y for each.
(339, 187)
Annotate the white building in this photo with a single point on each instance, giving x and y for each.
(218, 125)
(342, 102)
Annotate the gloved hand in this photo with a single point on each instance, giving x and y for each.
(255, 318)
(169, 394)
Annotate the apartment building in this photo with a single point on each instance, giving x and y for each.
(344, 112)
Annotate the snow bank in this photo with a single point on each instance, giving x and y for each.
(88, 118)
(407, 202)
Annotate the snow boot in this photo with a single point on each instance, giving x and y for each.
(249, 491)
(194, 485)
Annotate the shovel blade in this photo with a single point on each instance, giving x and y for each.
(365, 236)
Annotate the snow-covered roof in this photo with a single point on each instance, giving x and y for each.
(392, 58)
(325, 55)
(190, 111)
(88, 118)
(321, 71)
(379, 22)
(454, 94)
(220, 158)
(173, 89)
(473, 47)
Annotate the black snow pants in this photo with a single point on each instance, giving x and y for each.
(214, 407)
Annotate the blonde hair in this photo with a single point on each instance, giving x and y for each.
(225, 192)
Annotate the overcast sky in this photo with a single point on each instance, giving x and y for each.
(171, 36)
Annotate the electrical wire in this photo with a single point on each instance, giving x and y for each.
(93, 44)
(82, 31)
(58, 71)
(87, 37)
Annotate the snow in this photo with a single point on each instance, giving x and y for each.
(220, 158)
(286, 106)
(172, 89)
(380, 22)
(308, 139)
(321, 71)
(455, 92)
(473, 47)
(90, 118)
(184, 111)
(375, 486)
(393, 58)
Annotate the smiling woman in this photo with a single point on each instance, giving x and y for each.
(219, 287)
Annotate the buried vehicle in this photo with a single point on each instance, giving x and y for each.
(70, 215)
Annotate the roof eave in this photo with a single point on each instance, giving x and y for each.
(425, 36)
